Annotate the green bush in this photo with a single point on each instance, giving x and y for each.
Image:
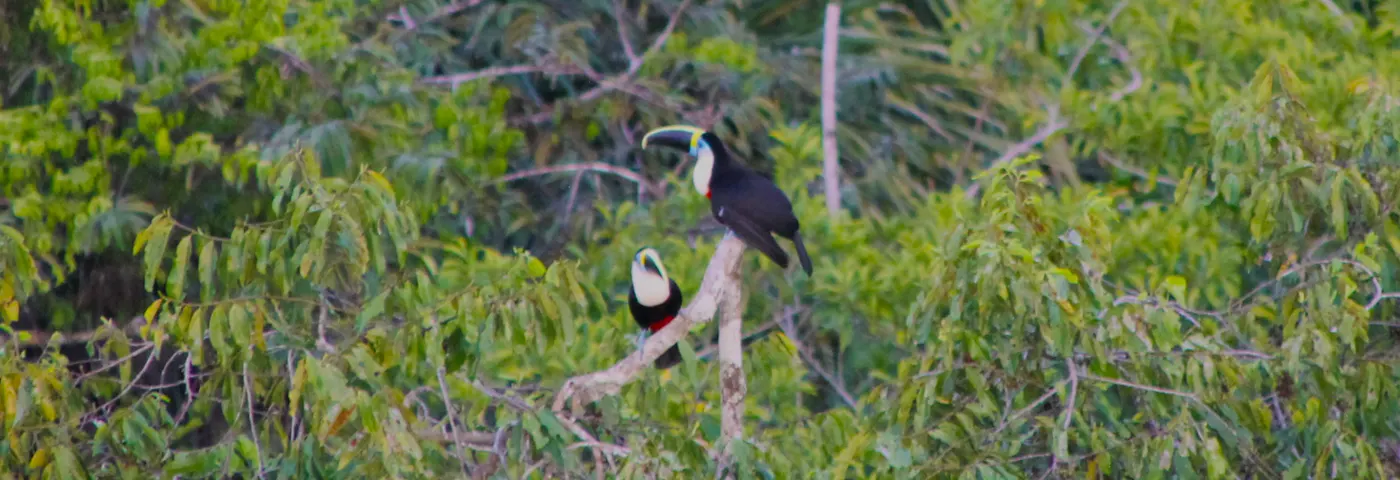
(331, 239)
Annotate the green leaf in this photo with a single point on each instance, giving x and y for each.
(551, 423)
(175, 283)
(1069, 276)
(456, 348)
(208, 260)
(158, 233)
(196, 335)
(371, 310)
(1339, 212)
(218, 332)
(1176, 286)
(239, 328)
(536, 267)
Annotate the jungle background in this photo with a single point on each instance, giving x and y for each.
(371, 239)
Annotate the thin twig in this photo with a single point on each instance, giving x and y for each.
(252, 420)
(1022, 412)
(1135, 171)
(1337, 11)
(493, 72)
(623, 81)
(660, 40)
(149, 358)
(189, 390)
(1139, 386)
(1125, 57)
(115, 363)
(406, 18)
(574, 167)
(1052, 125)
(573, 196)
(749, 337)
(451, 412)
(41, 337)
(914, 111)
(620, 14)
(1073, 390)
(785, 321)
(1094, 35)
(444, 11)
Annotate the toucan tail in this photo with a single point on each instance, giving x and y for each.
(669, 358)
(802, 253)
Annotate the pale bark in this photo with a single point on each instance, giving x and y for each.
(831, 169)
(719, 292)
(733, 388)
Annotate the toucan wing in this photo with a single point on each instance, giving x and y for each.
(753, 235)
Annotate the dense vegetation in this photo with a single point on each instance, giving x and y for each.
(340, 239)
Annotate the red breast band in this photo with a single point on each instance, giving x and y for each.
(656, 327)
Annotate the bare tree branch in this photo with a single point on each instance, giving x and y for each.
(620, 12)
(785, 322)
(493, 72)
(636, 63)
(1135, 171)
(733, 387)
(41, 337)
(719, 292)
(444, 11)
(1337, 11)
(624, 81)
(1055, 122)
(248, 388)
(1124, 56)
(1094, 34)
(1052, 126)
(578, 167)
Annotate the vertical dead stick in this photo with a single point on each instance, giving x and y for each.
(831, 38)
(733, 387)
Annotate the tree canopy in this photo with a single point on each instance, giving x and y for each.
(373, 239)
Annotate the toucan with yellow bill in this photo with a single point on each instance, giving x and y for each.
(655, 300)
(747, 203)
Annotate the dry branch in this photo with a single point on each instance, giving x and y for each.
(575, 167)
(493, 72)
(719, 292)
(625, 81)
(36, 338)
(831, 38)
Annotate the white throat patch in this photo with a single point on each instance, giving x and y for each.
(651, 289)
(704, 168)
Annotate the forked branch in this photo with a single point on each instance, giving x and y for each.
(719, 292)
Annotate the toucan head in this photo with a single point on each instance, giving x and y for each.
(649, 280)
(704, 145)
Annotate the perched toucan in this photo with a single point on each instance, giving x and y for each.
(746, 202)
(655, 300)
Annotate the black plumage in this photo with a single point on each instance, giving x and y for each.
(752, 206)
(655, 318)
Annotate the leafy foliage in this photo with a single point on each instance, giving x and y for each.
(370, 239)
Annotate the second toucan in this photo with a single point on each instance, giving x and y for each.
(655, 300)
(750, 205)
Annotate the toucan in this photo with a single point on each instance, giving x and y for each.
(741, 199)
(655, 300)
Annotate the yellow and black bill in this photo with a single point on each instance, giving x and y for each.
(680, 137)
